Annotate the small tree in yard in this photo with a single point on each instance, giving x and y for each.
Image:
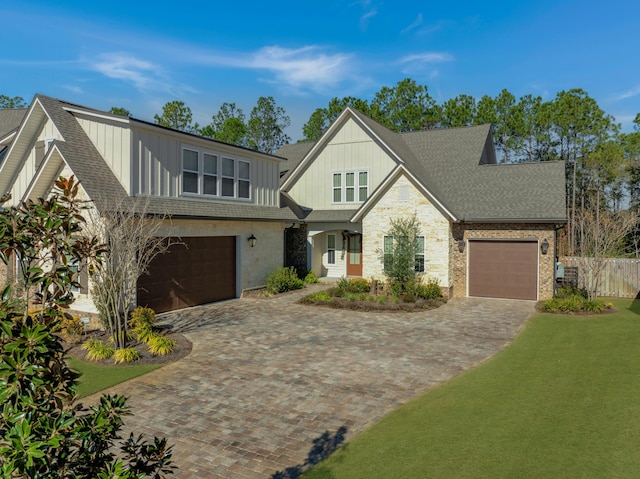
(42, 433)
(600, 236)
(401, 245)
(133, 238)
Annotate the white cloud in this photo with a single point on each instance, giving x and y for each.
(364, 19)
(122, 66)
(413, 25)
(629, 93)
(306, 68)
(426, 58)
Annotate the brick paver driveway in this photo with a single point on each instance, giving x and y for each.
(267, 376)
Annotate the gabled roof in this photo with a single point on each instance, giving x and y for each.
(456, 168)
(10, 119)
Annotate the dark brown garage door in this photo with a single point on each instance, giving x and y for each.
(201, 271)
(503, 269)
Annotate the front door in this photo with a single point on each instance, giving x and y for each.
(354, 255)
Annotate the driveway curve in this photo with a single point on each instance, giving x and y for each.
(267, 376)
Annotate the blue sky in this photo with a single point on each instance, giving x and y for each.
(140, 55)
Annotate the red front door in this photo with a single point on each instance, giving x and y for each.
(354, 255)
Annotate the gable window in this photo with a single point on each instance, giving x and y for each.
(206, 173)
(331, 249)
(418, 255)
(350, 186)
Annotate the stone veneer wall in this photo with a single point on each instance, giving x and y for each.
(472, 231)
(403, 199)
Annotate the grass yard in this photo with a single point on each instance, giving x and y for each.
(563, 401)
(95, 377)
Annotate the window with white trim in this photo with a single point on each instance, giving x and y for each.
(418, 254)
(331, 249)
(350, 186)
(209, 174)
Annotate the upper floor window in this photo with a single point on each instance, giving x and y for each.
(209, 174)
(350, 186)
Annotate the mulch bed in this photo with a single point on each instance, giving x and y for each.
(183, 348)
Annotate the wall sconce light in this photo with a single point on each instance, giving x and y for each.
(461, 246)
(544, 246)
(252, 240)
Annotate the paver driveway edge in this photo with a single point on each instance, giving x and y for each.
(266, 377)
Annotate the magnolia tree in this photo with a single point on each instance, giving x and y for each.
(43, 432)
(132, 238)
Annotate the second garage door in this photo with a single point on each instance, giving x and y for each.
(200, 271)
(503, 269)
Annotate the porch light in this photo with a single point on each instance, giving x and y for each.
(252, 240)
(544, 246)
(461, 246)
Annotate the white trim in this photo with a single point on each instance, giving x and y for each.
(104, 116)
(320, 144)
(38, 174)
(343, 186)
(334, 249)
(381, 190)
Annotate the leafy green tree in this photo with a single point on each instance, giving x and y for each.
(405, 107)
(15, 102)
(266, 126)
(505, 119)
(116, 110)
(176, 115)
(228, 125)
(322, 118)
(43, 434)
(459, 111)
(399, 262)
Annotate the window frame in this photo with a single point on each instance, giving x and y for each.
(330, 249)
(218, 176)
(343, 189)
(419, 255)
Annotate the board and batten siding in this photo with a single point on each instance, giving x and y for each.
(351, 148)
(113, 141)
(24, 178)
(157, 167)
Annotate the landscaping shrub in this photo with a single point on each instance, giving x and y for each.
(567, 291)
(160, 345)
(571, 304)
(141, 317)
(97, 350)
(284, 279)
(355, 285)
(71, 329)
(319, 297)
(125, 355)
(431, 290)
(311, 278)
(594, 305)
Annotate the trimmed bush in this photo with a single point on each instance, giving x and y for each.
(355, 285)
(141, 317)
(160, 345)
(284, 279)
(97, 350)
(568, 291)
(311, 278)
(431, 290)
(71, 329)
(125, 355)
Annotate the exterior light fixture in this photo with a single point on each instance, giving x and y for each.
(461, 246)
(252, 240)
(544, 246)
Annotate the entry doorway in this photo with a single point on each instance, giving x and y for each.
(354, 255)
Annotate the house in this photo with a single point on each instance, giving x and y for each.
(217, 195)
(488, 229)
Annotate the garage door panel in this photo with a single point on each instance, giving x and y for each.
(503, 269)
(201, 270)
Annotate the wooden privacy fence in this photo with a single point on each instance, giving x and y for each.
(620, 277)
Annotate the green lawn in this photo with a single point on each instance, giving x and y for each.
(95, 377)
(563, 401)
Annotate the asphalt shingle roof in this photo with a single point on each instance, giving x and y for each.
(10, 119)
(457, 166)
(106, 191)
